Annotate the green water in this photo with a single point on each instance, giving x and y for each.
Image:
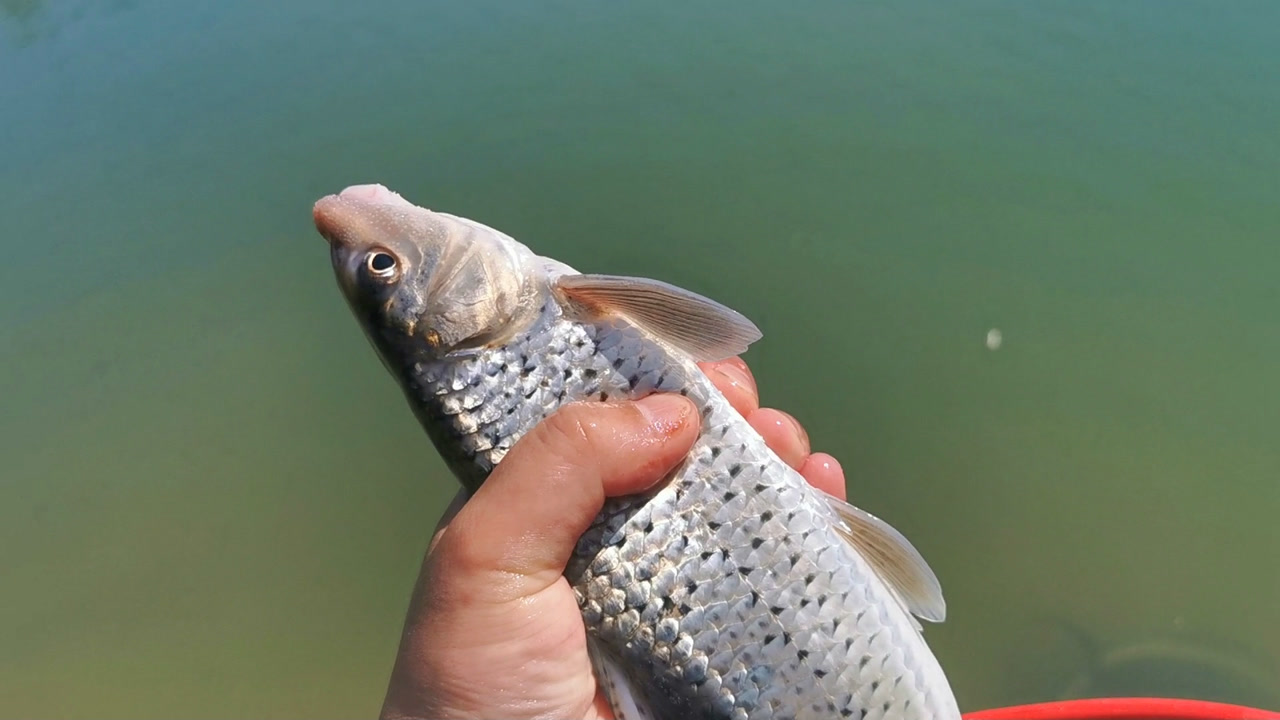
(213, 501)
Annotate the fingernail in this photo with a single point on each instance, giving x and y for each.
(665, 412)
(800, 432)
(738, 375)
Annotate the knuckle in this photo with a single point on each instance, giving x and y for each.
(571, 428)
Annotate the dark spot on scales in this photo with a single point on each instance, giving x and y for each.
(760, 487)
(766, 516)
(776, 610)
(633, 381)
(706, 554)
(617, 364)
(715, 451)
(685, 609)
(734, 470)
(757, 542)
(770, 638)
(819, 673)
(848, 643)
(729, 495)
(713, 525)
(755, 598)
(568, 373)
(744, 570)
(809, 578)
(804, 602)
(648, 527)
(692, 587)
(802, 654)
(603, 396)
(589, 373)
(795, 559)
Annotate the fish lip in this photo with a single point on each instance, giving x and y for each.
(324, 214)
(332, 212)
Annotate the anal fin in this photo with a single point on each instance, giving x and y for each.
(895, 560)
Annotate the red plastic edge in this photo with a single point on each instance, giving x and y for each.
(1125, 709)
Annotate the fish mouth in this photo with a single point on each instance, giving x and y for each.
(336, 215)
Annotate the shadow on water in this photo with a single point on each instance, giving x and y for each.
(30, 21)
(20, 16)
(1062, 660)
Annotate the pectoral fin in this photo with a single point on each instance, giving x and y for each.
(895, 560)
(699, 326)
(623, 697)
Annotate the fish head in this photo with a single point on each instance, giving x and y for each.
(423, 282)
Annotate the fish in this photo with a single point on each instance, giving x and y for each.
(732, 590)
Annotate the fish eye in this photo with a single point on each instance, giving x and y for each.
(381, 264)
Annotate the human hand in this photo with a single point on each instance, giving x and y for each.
(493, 629)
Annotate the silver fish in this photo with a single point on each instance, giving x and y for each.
(735, 589)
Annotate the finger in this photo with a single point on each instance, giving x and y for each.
(783, 434)
(824, 472)
(517, 533)
(734, 380)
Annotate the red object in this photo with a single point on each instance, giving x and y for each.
(1125, 709)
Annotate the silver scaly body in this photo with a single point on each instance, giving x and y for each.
(729, 591)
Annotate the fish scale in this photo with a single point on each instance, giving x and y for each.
(775, 618)
(734, 589)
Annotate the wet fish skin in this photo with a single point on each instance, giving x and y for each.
(727, 592)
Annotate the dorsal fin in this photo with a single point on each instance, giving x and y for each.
(699, 326)
(895, 560)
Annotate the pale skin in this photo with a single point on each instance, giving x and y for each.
(493, 629)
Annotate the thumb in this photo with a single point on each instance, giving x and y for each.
(515, 536)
